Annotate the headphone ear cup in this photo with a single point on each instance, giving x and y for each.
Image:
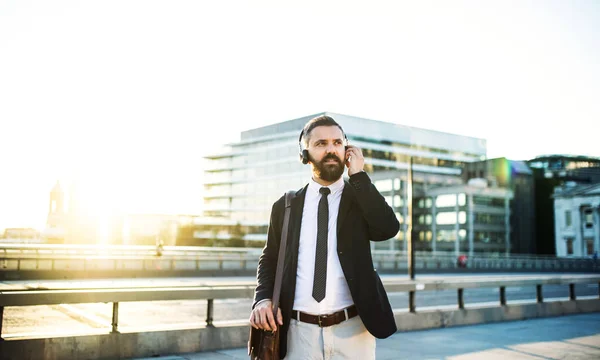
(305, 156)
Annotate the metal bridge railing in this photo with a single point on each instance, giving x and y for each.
(246, 291)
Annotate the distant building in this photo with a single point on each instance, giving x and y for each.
(549, 172)
(57, 220)
(577, 168)
(463, 219)
(21, 235)
(577, 219)
(518, 177)
(69, 225)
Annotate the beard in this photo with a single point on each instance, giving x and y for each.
(328, 172)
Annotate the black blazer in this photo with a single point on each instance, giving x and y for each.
(364, 216)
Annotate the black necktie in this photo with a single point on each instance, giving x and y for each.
(320, 278)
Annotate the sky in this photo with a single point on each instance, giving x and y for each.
(124, 98)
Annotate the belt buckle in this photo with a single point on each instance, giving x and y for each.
(319, 319)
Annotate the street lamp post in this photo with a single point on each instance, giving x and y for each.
(409, 238)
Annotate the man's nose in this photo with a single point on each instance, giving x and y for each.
(330, 148)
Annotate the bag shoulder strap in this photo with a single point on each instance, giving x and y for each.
(282, 245)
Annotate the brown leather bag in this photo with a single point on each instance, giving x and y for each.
(263, 344)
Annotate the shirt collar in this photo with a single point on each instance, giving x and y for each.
(335, 187)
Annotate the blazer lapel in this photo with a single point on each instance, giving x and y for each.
(296, 219)
(345, 203)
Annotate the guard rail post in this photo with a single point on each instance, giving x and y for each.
(572, 296)
(502, 296)
(1, 320)
(209, 312)
(539, 294)
(115, 318)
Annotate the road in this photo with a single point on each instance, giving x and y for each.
(55, 320)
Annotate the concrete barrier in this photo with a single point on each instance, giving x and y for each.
(164, 342)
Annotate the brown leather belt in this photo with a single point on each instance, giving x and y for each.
(326, 320)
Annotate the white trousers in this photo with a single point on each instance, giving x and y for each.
(346, 340)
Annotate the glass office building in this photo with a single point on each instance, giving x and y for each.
(463, 219)
(243, 181)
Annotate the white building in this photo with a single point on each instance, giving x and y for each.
(577, 219)
(464, 218)
(243, 181)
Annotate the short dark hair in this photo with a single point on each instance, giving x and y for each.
(321, 120)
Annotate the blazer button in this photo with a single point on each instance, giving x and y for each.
(340, 252)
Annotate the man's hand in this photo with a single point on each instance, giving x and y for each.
(354, 160)
(262, 317)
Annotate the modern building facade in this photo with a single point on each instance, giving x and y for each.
(549, 172)
(577, 168)
(518, 177)
(243, 182)
(463, 219)
(577, 214)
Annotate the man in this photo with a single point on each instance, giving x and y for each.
(332, 303)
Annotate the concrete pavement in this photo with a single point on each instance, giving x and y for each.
(565, 337)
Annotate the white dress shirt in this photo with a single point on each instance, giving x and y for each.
(337, 295)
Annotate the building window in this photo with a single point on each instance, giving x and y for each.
(424, 219)
(428, 202)
(424, 203)
(481, 218)
(486, 201)
(489, 237)
(589, 244)
(445, 218)
(384, 185)
(398, 201)
(449, 218)
(462, 217)
(462, 199)
(425, 235)
(588, 218)
(446, 235)
(569, 242)
(568, 219)
(445, 201)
